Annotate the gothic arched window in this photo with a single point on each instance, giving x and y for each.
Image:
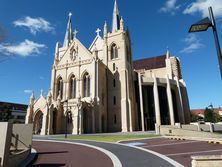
(86, 85)
(72, 87)
(114, 52)
(60, 87)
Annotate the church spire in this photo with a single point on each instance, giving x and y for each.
(116, 18)
(68, 36)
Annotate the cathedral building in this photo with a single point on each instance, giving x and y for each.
(101, 89)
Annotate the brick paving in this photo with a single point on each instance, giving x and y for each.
(70, 155)
(179, 150)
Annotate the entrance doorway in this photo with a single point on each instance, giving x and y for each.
(87, 120)
(38, 122)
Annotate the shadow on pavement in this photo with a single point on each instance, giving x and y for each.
(48, 165)
(57, 152)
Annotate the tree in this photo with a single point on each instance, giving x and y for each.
(194, 118)
(5, 112)
(209, 115)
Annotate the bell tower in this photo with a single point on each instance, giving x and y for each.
(120, 75)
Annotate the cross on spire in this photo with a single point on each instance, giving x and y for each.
(98, 31)
(75, 33)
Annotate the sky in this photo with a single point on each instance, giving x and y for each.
(32, 28)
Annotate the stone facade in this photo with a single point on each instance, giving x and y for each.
(94, 89)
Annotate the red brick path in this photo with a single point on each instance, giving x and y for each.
(71, 155)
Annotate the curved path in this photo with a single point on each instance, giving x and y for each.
(128, 156)
(62, 154)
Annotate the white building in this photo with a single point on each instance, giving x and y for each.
(96, 89)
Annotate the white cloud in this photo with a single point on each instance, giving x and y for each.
(34, 24)
(28, 91)
(192, 44)
(23, 49)
(41, 78)
(170, 7)
(201, 6)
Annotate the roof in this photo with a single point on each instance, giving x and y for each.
(201, 111)
(150, 63)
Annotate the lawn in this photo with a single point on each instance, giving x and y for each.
(110, 138)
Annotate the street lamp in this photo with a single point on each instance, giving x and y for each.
(203, 25)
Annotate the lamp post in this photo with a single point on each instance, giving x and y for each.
(203, 25)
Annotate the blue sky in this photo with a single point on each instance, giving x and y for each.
(34, 27)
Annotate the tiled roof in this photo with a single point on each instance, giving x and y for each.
(201, 111)
(150, 63)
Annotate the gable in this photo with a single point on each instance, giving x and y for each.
(74, 52)
(40, 104)
(97, 42)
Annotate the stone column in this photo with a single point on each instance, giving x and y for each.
(180, 101)
(170, 101)
(80, 121)
(141, 102)
(50, 128)
(156, 101)
(75, 121)
(44, 123)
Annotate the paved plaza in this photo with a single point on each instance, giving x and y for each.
(154, 152)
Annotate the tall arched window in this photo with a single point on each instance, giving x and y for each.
(114, 51)
(86, 85)
(59, 87)
(72, 87)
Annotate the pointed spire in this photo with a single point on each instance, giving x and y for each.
(57, 50)
(116, 18)
(121, 24)
(32, 98)
(68, 36)
(49, 97)
(105, 30)
(42, 92)
(168, 53)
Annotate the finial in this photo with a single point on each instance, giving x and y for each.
(32, 98)
(105, 30)
(75, 33)
(98, 31)
(70, 14)
(168, 53)
(49, 93)
(42, 92)
(121, 24)
(32, 95)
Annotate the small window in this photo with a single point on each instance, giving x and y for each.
(115, 120)
(114, 83)
(72, 87)
(114, 52)
(114, 66)
(59, 88)
(114, 100)
(86, 85)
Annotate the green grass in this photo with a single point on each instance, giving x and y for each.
(109, 138)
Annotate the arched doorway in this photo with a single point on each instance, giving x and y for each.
(38, 122)
(87, 120)
(54, 122)
(68, 122)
